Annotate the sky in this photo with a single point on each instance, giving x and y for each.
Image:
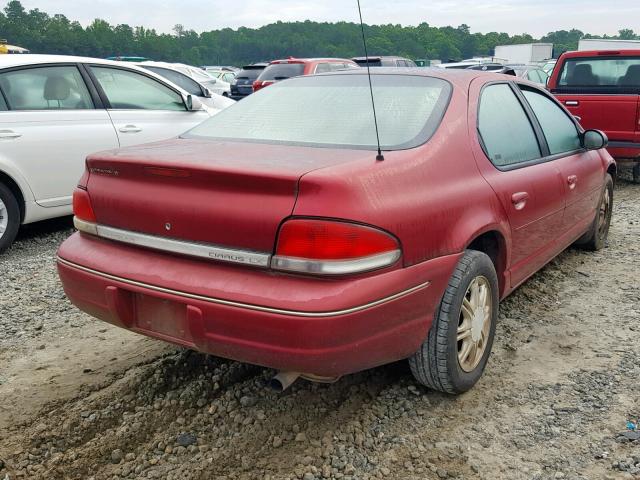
(536, 17)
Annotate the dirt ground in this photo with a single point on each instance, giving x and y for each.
(80, 399)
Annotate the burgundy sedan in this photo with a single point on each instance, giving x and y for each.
(271, 234)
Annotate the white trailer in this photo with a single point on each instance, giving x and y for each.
(607, 44)
(525, 53)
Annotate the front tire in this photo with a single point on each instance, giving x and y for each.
(458, 345)
(596, 238)
(9, 218)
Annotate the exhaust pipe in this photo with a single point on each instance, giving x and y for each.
(283, 380)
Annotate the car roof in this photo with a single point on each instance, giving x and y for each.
(309, 60)
(461, 78)
(602, 53)
(380, 57)
(35, 59)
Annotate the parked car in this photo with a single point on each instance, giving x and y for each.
(11, 49)
(203, 78)
(548, 66)
(188, 84)
(224, 75)
(384, 61)
(55, 110)
(602, 88)
(294, 67)
(125, 58)
(285, 242)
(532, 73)
(465, 64)
(243, 83)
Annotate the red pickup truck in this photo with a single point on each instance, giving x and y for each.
(602, 88)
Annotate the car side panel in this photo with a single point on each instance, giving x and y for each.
(432, 198)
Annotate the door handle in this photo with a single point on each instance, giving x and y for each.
(572, 103)
(519, 200)
(9, 134)
(572, 180)
(130, 129)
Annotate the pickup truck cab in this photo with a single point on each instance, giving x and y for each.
(602, 89)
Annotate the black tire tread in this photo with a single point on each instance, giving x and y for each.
(431, 369)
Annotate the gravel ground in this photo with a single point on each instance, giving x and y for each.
(83, 400)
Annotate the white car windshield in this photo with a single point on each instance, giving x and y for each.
(336, 111)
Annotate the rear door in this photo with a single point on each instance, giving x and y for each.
(142, 108)
(50, 124)
(529, 187)
(602, 90)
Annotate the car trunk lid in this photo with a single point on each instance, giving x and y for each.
(226, 194)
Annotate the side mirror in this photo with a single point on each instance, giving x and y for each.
(206, 92)
(192, 103)
(594, 139)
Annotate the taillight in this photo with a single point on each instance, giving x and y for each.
(329, 247)
(84, 218)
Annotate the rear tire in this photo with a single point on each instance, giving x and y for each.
(596, 238)
(636, 172)
(466, 317)
(9, 217)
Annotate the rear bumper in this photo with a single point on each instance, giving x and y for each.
(318, 326)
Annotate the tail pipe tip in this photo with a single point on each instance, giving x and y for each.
(283, 380)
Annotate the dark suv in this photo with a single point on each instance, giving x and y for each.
(243, 83)
(384, 62)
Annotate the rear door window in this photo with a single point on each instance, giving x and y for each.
(3, 104)
(506, 132)
(600, 75)
(281, 71)
(46, 88)
(559, 130)
(128, 90)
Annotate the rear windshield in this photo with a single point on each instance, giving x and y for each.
(600, 75)
(336, 111)
(249, 73)
(373, 62)
(282, 71)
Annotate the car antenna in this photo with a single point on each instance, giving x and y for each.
(379, 157)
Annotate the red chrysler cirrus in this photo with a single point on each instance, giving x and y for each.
(271, 233)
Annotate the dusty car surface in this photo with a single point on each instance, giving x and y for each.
(278, 239)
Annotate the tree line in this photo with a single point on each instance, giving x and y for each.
(56, 34)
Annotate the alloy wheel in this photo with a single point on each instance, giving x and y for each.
(474, 323)
(4, 218)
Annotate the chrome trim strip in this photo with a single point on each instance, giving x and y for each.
(248, 306)
(334, 267)
(201, 250)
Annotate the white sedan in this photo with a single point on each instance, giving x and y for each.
(211, 91)
(55, 110)
(213, 84)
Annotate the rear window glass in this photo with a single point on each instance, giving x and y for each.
(250, 74)
(338, 112)
(601, 74)
(372, 62)
(282, 71)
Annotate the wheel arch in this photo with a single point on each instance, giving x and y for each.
(12, 185)
(494, 244)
